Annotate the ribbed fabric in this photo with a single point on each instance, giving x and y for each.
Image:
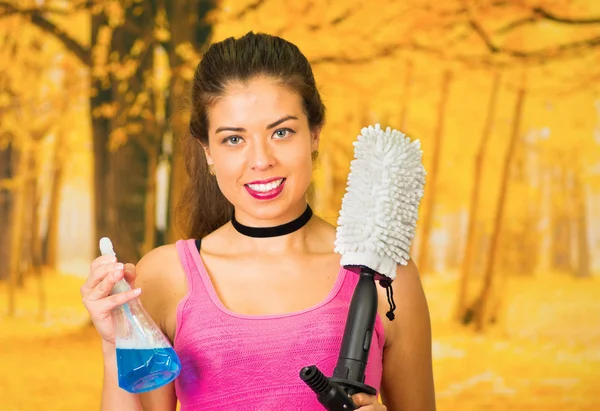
(239, 362)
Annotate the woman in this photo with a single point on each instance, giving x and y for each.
(262, 295)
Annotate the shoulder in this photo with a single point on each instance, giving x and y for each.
(411, 305)
(161, 277)
(152, 265)
(407, 381)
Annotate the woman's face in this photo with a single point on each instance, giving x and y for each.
(260, 145)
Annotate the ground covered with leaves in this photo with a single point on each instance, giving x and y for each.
(543, 355)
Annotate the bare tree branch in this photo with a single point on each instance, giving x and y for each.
(336, 20)
(543, 54)
(565, 20)
(250, 7)
(392, 49)
(548, 52)
(462, 10)
(9, 9)
(539, 13)
(483, 35)
(36, 17)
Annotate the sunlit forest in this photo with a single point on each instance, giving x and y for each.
(503, 95)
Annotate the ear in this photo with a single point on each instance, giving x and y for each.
(316, 138)
(206, 149)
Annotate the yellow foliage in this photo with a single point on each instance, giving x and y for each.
(105, 110)
(138, 46)
(118, 137)
(186, 52)
(134, 128)
(115, 13)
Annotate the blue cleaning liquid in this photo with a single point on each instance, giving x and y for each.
(142, 370)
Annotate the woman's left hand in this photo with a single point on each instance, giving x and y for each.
(368, 403)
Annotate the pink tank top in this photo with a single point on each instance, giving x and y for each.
(240, 362)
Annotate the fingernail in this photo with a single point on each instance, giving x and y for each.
(137, 291)
(118, 274)
(119, 266)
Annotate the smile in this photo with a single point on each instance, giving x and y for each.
(266, 190)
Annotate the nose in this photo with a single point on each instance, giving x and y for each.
(261, 157)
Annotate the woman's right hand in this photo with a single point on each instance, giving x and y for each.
(105, 272)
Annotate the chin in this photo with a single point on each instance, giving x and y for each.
(268, 209)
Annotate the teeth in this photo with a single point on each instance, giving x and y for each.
(263, 188)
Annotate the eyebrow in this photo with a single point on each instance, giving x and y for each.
(278, 122)
(270, 126)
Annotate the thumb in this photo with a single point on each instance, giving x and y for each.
(364, 399)
(130, 274)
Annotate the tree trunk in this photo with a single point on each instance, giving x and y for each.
(470, 243)
(150, 204)
(122, 167)
(17, 218)
(101, 94)
(6, 201)
(50, 245)
(187, 21)
(562, 234)
(482, 304)
(408, 80)
(429, 202)
(34, 243)
(453, 224)
(30, 224)
(583, 245)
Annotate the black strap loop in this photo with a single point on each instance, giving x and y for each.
(390, 297)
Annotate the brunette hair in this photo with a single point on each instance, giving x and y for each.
(203, 207)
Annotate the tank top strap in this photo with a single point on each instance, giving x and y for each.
(189, 255)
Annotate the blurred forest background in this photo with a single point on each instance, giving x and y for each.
(504, 96)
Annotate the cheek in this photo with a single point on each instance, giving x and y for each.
(230, 169)
(301, 166)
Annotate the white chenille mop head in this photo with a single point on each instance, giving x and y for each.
(379, 213)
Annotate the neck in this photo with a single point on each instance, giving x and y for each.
(284, 234)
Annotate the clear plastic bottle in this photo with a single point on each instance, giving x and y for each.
(145, 358)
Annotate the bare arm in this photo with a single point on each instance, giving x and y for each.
(114, 397)
(407, 383)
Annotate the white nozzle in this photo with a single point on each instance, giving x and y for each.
(106, 247)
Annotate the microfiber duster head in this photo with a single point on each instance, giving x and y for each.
(379, 213)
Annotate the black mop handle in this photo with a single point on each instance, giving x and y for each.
(354, 353)
(349, 374)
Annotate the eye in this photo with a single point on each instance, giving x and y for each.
(283, 132)
(232, 140)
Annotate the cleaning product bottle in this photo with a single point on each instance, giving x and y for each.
(145, 358)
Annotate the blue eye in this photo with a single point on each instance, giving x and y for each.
(232, 140)
(283, 132)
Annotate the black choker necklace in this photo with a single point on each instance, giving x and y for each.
(279, 230)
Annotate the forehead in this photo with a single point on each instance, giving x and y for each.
(258, 102)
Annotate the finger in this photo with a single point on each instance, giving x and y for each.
(121, 298)
(105, 286)
(100, 273)
(364, 399)
(130, 274)
(104, 259)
